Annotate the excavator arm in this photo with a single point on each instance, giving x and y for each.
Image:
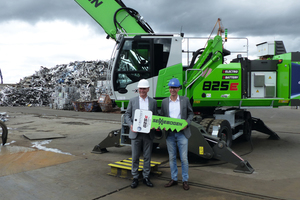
(115, 18)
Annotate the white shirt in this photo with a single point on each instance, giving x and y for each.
(144, 103)
(174, 108)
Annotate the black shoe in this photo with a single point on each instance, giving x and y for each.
(147, 182)
(134, 183)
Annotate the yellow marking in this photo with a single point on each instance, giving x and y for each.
(257, 91)
(128, 164)
(196, 101)
(270, 77)
(283, 101)
(127, 161)
(123, 163)
(123, 167)
(154, 162)
(201, 150)
(141, 160)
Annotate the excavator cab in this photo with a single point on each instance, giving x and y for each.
(139, 57)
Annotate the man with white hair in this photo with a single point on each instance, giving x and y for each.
(141, 141)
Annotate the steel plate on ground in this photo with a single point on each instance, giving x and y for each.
(42, 136)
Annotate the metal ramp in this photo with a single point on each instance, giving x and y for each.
(122, 168)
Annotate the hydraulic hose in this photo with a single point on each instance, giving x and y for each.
(195, 55)
(133, 13)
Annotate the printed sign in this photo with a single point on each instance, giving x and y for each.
(144, 121)
(230, 71)
(230, 77)
(168, 123)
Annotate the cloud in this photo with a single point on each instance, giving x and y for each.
(26, 47)
(45, 33)
(33, 11)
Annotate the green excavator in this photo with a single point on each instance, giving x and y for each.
(219, 92)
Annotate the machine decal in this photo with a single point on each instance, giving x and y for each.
(283, 101)
(230, 71)
(225, 95)
(97, 3)
(219, 85)
(233, 86)
(135, 91)
(230, 77)
(215, 85)
(201, 150)
(206, 72)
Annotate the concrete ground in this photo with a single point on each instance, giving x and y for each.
(65, 168)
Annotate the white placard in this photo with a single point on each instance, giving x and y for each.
(142, 121)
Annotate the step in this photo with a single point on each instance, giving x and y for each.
(123, 168)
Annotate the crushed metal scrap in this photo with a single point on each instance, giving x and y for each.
(59, 86)
(3, 116)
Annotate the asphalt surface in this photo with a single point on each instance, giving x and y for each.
(65, 168)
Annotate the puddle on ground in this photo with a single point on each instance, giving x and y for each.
(16, 159)
(13, 149)
(20, 159)
(7, 149)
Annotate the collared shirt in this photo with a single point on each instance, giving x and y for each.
(174, 108)
(144, 103)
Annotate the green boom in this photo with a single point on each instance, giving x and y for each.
(113, 17)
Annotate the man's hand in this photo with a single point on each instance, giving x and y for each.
(184, 127)
(131, 128)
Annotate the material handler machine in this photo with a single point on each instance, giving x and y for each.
(220, 93)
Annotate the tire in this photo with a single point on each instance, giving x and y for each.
(247, 130)
(225, 131)
(206, 123)
(4, 132)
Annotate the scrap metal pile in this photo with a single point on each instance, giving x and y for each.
(3, 116)
(57, 87)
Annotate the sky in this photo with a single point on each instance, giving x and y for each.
(48, 33)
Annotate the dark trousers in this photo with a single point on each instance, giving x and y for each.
(142, 143)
